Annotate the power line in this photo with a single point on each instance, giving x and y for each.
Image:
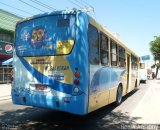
(90, 7)
(87, 7)
(75, 4)
(87, 3)
(81, 3)
(32, 6)
(47, 5)
(43, 5)
(15, 8)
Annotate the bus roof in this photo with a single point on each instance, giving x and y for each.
(48, 14)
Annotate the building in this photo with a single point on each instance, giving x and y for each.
(7, 27)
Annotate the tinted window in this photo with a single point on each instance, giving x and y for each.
(134, 61)
(63, 23)
(93, 45)
(122, 59)
(113, 53)
(104, 50)
(44, 36)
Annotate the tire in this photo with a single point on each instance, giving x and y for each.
(136, 85)
(119, 95)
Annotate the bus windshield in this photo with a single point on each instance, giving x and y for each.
(44, 36)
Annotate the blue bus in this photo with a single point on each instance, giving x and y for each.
(66, 61)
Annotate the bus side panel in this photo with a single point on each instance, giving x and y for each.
(117, 76)
(103, 87)
(99, 87)
(124, 83)
(134, 77)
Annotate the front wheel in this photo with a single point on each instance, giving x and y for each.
(136, 85)
(119, 95)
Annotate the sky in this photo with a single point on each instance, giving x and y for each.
(136, 21)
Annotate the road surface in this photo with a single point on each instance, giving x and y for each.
(139, 107)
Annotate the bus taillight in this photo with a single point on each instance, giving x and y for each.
(76, 82)
(77, 74)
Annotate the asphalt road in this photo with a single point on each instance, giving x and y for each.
(131, 111)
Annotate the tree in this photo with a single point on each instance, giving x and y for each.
(155, 49)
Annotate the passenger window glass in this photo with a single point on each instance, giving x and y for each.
(122, 59)
(93, 45)
(104, 50)
(113, 53)
(134, 61)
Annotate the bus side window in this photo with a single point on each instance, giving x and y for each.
(104, 50)
(122, 59)
(114, 53)
(134, 61)
(93, 45)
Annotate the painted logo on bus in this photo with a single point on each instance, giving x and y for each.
(37, 37)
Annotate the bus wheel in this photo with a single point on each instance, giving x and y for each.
(136, 85)
(119, 95)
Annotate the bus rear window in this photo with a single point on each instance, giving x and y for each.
(63, 23)
(49, 35)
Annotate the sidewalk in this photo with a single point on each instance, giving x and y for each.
(149, 106)
(5, 92)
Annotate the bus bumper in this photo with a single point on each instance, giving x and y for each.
(74, 104)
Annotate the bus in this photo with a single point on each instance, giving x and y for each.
(143, 72)
(66, 61)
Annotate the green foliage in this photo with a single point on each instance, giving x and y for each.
(153, 66)
(155, 48)
(158, 65)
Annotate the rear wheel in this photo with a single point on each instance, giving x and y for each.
(119, 95)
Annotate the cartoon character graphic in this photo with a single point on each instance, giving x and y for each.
(37, 37)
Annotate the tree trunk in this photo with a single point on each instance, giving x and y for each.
(157, 68)
(158, 65)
